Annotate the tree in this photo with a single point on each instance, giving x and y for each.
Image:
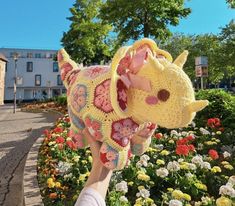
(143, 18)
(231, 3)
(86, 41)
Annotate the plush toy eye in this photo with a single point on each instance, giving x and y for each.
(163, 95)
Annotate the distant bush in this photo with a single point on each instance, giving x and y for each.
(61, 100)
(222, 105)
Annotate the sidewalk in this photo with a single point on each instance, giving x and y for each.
(18, 132)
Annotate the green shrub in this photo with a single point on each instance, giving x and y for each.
(222, 105)
(61, 100)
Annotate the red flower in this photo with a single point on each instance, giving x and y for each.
(191, 147)
(213, 154)
(190, 138)
(213, 122)
(67, 119)
(59, 140)
(60, 146)
(58, 130)
(182, 150)
(158, 135)
(47, 133)
(72, 145)
(182, 141)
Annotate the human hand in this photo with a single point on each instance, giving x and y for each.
(146, 130)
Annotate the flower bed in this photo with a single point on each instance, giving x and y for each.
(182, 167)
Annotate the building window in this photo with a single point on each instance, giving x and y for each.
(37, 80)
(29, 66)
(29, 55)
(37, 55)
(55, 67)
(59, 81)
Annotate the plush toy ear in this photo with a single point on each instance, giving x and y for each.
(126, 64)
(68, 68)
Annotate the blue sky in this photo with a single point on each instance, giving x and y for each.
(40, 24)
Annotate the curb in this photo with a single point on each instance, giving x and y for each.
(32, 195)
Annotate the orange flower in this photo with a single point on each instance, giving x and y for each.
(53, 195)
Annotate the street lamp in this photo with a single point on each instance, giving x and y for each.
(16, 56)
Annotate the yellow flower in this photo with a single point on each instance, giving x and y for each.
(215, 169)
(219, 132)
(140, 187)
(87, 174)
(160, 162)
(130, 183)
(184, 166)
(225, 163)
(137, 204)
(170, 189)
(188, 205)
(186, 197)
(57, 185)
(50, 183)
(149, 200)
(200, 186)
(164, 152)
(82, 177)
(150, 149)
(84, 162)
(223, 201)
(138, 201)
(143, 177)
(90, 159)
(229, 167)
(177, 194)
(171, 141)
(210, 143)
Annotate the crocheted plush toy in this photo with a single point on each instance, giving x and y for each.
(120, 105)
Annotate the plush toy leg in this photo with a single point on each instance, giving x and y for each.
(112, 158)
(142, 138)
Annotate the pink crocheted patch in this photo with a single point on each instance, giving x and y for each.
(122, 130)
(79, 97)
(59, 56)
(94, 128)
(95, 71)
(108, 156)
(77, 140)
(72, 76)
(67, 67)
(122, 95)
(102, 96)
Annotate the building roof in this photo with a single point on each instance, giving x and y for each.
(3, 58)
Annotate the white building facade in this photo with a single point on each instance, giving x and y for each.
(3, 62)
(37, 71)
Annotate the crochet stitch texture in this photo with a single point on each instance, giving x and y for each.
(119, 105)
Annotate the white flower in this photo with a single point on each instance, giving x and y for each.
(121, 187)
(174, 133)
(205, 165)
(200, 146)
(213, 134)
(189, 175)
(226, 154)
(193, 124)
(138, 164)
(144, 157)
(175, 203)
(197, 160)
(192, 166)
(143, 193)
(205, 200)
(184, 133)
(159, 146)
(173, 166)
(162, 172)
(64, 167)
(227, 190)
(180, 160)
(204, 131)
(231, 180)
(68, 176)
(123, 199)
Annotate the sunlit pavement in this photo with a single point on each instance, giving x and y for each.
(18, 132)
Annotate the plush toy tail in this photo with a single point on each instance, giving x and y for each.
(68, 68)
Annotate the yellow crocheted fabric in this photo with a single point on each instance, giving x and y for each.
(120, 105)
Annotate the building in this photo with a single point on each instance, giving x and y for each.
(38, 74)
(3, 62)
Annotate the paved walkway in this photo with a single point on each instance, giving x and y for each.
(18, 132)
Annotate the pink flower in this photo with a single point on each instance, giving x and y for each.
(122, 130)
(94, 128)
(93, 72)
(111, 155)
(79, 95)
(102, 96)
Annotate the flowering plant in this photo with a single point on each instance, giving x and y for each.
(182, 167)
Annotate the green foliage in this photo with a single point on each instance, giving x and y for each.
(137, 18)
(61, 100)
(222, 105)
(86, 41)
(231, 3)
